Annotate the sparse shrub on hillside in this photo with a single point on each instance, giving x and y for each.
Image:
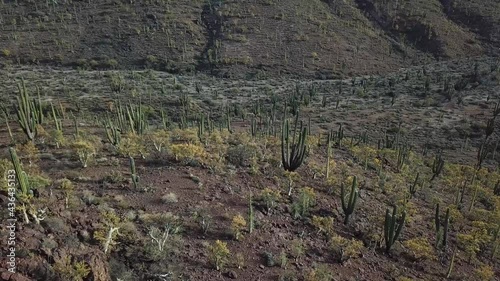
(218, 254)
(108, 230)
(420, 248)
(114, 176)
(85, 150)
(5, 166)
(238, 225)
(241, 155)
(28, 151)
(70, 270)
(345, 249)
(191, 154)
(159, 140)
(68, 188)
(303, 204)
(320, 272)
(116, 83)
(270, 198)
(297, 249)
(324, 225)
(189, 136)
(203, 219)
(484, 272)
(162, 240)
(169, 198)
(132, 145)
(58, 138)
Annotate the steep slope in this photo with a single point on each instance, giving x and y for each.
(247, 38)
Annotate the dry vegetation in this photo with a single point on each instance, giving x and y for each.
(341, 149)
(133, 175)
(249, 38)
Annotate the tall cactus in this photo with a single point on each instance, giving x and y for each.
(413, 187)
(437, 166)
(20, 174)
(392, 227)
(253, 127)
(112, 133)
(6, 117)
(348, 206)
(57, 121)
(293, 153)
(441, 233)
(251, 216)
(201, 127)
(29, 112)
(134, 176)
(328, 154)
(137, 119)
(25, 192)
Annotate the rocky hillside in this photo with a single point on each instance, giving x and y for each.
(247, 38)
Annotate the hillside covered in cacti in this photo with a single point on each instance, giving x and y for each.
(270, 140)
(143, 175)
(249, 38)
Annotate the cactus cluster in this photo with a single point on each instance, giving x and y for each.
(29, 111)
(293, 151)
(437, 166)
(392, 227)
(131, 119)
(349, 204)
(113, 133)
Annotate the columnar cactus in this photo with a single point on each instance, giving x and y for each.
(340, 135)
(413, 187)
(134, 176)
(437, 166)
(112, 133)
(441, 233)
(25, 192)
(293, 153)
(20, 174)
(328, 154)
(57, 121)
(164, 120)
(137, 119)
(29, 112)
(253, 127)
(201, 127)
(392, 227)
(348, 205)
(402, 156)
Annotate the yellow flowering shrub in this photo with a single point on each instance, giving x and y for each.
(131, 145)
(187, 152)
(344, 248)
(324, 225)
(218, 254)
(159, 140)
(189, 135)
(420, 248)
(238, 226)
(269, 197)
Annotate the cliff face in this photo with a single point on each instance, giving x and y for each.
(247, 38)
